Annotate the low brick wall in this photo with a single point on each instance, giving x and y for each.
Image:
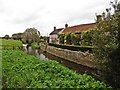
(74, 56)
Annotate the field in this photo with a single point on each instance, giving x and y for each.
(10, 44)
(20, 70)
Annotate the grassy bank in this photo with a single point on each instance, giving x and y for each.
(10, 44)
(20, 70)
(24, 71)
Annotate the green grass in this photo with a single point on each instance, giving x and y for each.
(0, 69)
(10, 44)
(25, 71)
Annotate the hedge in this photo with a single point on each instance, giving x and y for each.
(74, 48)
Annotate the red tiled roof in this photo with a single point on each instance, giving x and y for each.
(80, 28)
(56, 31)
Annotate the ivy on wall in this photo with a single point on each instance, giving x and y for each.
(81, 39)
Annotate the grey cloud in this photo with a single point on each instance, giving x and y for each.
(44, 16)
(28, 17)
(77, 16)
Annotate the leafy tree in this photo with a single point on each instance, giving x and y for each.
(106, 39)
(107, 43)
(17, 36)
(6, 37)
(31, 35)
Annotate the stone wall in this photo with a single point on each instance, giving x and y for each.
(74, 56)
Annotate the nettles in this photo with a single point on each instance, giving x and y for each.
(25, 71)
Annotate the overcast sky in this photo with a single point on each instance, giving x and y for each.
(17, 15)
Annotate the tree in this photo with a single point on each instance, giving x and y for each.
(107, 44)
(30, 35)
(17, 36)
(107, 36)
(6, 37)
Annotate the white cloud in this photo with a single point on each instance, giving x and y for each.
(17, 15)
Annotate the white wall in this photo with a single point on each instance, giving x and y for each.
(53, 38)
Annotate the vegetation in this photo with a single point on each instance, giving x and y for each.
(87, 38)
(44, 39)
(6, 37)
(0, 69)
(10, 44)
(61, 37)
(77, 39)
(17, 66)
(107, 43)
(17, 36)
(35, 45)
(67, 38)
(25, 71)
(72, 47)
(31, 35)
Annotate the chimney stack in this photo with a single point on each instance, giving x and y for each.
(54, 28)
(66, 25)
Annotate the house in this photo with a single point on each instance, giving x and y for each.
(73, 29)
(53, 36)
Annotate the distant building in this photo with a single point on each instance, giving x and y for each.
(53, 36)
